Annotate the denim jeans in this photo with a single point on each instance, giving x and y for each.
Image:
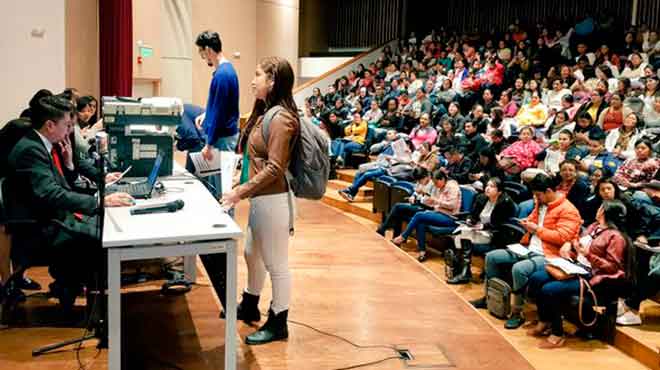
(551, 296)
(421, 220)
(363, 178)
(399, 213)
(343, 147)
(523, 268)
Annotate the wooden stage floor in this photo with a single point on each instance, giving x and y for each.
(347, 281)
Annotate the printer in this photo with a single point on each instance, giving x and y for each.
(138, 130)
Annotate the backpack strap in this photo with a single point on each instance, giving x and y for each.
(265, 131)
(268, 118)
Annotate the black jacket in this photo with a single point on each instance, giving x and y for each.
(39, 192)
(502, 213)
(459, 171)
(475, 143)
(487, 171)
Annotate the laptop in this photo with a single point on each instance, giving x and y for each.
(141, 189)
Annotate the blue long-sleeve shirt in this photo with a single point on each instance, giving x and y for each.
(222, 106)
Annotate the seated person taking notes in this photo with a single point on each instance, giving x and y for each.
(40, 181)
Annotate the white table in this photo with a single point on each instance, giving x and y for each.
(201, 227)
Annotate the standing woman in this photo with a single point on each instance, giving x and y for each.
(271, 206)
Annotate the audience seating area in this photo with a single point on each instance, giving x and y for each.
(530, 105)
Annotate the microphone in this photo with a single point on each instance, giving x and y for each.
(172, 206)
(101, 142)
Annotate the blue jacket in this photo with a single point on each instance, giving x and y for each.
(188, 137)
(606, 162)
(222, 105)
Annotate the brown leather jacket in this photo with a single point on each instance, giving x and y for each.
(269, 161)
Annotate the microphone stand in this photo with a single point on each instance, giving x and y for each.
(96, 326)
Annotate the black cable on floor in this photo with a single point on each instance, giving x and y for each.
(393, 348)
(358, 346)
(368, 363)
(82, 366)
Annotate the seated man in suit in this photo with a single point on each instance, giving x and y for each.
(39, 180)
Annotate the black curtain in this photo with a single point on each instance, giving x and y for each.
(486, 16)
(364, 23)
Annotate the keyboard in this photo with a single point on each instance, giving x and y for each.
(139, 189)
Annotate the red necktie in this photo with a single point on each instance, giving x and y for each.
(56, 161)
(58, 165)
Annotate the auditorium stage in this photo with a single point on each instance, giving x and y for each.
(347, 281)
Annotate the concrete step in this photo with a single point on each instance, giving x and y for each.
(362, 209)
(642, 342)
(365, 191)
(346, 175)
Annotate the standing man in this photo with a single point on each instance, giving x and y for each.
(220, 125)
(220, 121)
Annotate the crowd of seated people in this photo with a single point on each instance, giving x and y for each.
(573, 118)
(52, 212)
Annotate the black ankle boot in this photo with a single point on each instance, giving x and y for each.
(274, 329)
(248, 310)
(465, 275)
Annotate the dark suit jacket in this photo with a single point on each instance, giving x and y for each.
(39, 192)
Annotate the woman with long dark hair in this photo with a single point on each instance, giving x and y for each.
(489, 212)
(266, 157)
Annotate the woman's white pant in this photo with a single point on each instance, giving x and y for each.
(267, 248)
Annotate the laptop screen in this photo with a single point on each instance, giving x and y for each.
(154, 171)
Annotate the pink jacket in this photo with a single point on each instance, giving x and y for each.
(524, 154)
(418, 136)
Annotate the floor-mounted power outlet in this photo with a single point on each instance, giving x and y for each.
(405, 354)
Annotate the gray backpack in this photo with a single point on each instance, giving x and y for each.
(309, 168)
(498, 298)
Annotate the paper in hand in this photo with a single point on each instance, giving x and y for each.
(518, 249)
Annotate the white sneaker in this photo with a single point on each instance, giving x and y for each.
(629, 318)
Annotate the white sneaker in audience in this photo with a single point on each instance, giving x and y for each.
(629, 318)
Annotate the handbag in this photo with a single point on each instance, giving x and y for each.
(599, 310)
(557, 273)
(498, 298)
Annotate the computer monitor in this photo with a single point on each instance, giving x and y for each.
(153, 176)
